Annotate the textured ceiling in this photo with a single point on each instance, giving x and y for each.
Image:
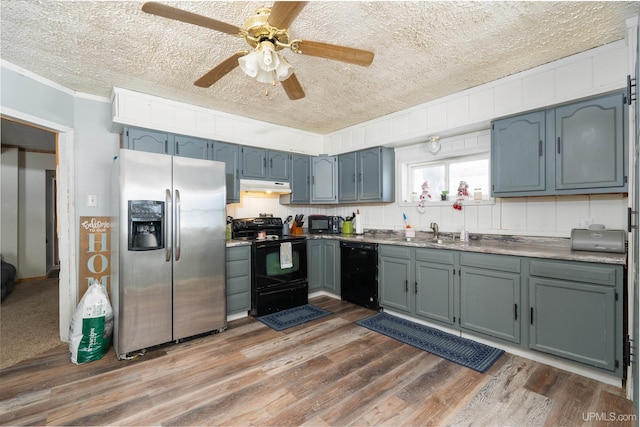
(423, 50)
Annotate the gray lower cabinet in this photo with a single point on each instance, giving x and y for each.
(323, 271)
(418, 281)
(568, 309)
(434, 285)
(490, 295)
(238, 279)
(395, 273)
(576, 312)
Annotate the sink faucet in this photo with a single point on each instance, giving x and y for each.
(436, 233)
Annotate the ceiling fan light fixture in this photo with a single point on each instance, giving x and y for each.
(249, 63)
(269, 59)
(284, 70)
(265, 64)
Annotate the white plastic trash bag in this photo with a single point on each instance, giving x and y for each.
(91, 326)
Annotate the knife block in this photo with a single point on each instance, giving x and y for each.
(295, 229)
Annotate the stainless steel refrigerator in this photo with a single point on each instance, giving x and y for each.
(168, 233)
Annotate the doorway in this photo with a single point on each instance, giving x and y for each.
(64, 190)
(51, 216)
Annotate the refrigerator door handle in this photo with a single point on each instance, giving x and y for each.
(177, 227)
(167, 225)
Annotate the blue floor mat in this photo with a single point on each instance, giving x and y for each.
(462, 351)
(294, 316)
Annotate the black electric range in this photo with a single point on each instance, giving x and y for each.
(279, 264)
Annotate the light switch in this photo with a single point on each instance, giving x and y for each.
(92, 200)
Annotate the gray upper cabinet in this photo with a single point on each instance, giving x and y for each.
(590, 144)
(377, 169)
(254, 163)
(517, 154)
(146, 140)
(230, 155)
(348, 177)
(278, 165)
(367, 175)
(259, 163)
(324, 179)
(576, 148)
(300, 178)
(196, 148)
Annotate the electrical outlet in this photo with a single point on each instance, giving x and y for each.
(92, 200)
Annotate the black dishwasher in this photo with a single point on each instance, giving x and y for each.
(359, 273)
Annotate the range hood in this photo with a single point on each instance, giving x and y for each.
(259, 186)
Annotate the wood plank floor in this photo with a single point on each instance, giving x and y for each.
(326, 372)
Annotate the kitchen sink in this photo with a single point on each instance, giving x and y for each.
(444, 241)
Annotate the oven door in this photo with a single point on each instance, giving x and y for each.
(268, 266)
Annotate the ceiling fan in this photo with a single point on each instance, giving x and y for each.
(267, 32)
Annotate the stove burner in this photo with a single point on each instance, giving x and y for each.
(250, 228)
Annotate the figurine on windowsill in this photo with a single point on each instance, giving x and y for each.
(423, 196)
(463, 193)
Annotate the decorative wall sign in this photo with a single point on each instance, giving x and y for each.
(95, 252)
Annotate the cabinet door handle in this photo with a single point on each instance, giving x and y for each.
(515, 311)
(559, 145)
(354, 177)
(416, 287)
(264, 162)
(540, 149)
(406, 286)
(271, 163)
(360, 177)
(532, 315)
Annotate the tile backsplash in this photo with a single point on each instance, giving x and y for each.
(552, 216)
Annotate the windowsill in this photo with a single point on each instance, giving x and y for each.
(437, 203)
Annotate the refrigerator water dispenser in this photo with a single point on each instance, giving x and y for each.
(146, 225)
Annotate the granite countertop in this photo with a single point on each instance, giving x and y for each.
(534, 247)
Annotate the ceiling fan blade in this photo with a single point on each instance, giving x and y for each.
(339, 53)
(188, 17)
(219, 71)
(283, 13)
(292, 88)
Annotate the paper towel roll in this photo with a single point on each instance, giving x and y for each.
(359, 226)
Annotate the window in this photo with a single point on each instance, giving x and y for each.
(447, 175)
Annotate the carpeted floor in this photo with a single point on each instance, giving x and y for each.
(29, 321)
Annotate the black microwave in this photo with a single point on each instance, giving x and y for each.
(319, 224)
